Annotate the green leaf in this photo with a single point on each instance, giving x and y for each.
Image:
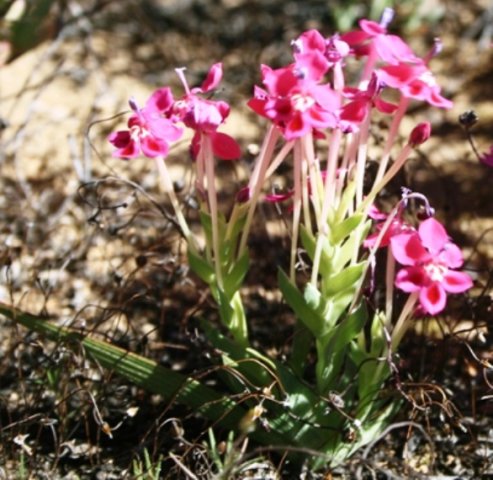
(344, 280)
(296, 301)
(234, 280)
(346, 202)
(201, 267)
(331, 349)
(344, 253)
(341, 230)
(139, 370)
(310, 244)
(206, 221)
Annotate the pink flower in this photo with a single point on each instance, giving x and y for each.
(205, 116)
(294, 100)
(487, 158)
(148, 131)
(414, 81)
(430, 260)
(396, 227)
(362, 101)
(373, 36)
(327, 52)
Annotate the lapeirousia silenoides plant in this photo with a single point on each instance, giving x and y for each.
(320, 125)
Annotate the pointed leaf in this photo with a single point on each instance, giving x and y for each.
(296, 301)
(341, 230)
(201, 267)
(343, 280)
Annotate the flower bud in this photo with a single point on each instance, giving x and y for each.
(243, 195)
(420, 134)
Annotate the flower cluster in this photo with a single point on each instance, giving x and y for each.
(152, 128)
(298, 99)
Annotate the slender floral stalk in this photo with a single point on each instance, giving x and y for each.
(304, 186)
(170, 191)
(296, 209)
(361, 158)
(257, 179)
(393, 170)
(394, 128)
(389, 287)
(403, 322)
(212, 197)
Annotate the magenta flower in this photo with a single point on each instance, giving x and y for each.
(373, 38)
(294, 100)
(487, 158)
(205, 116)
(430, 260)
(327, 52)
(148, 131)
(397, 226)
(414, 81)
(362, 101)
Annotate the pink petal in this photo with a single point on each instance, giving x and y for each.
(326, 97)
(279, 82)
(456, 282)
(120, 139)
(165, 129)
(130, 151)
(258, 106)
(355, 37)
(153, 147)
(433, 235)
(451, 255)
(213, 78)
(312, 40)
(355, 111)
(383, 106)
(437, 100)
(375, 214)
(313, 64)
(371, 28)
(225, 147)
(411, 279)
(278, 197)
(433, 298)
(297, 127)
(392, 49)
(160, 101)
(408, 249)
(396, 76)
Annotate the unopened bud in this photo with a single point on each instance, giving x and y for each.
(468, 118)
(420, 134)
(243, 195)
